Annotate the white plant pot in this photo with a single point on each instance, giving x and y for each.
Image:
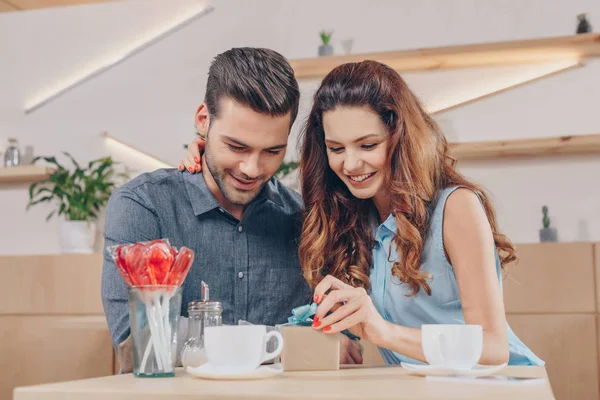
(77, 236)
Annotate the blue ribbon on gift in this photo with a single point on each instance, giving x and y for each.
(302, 315)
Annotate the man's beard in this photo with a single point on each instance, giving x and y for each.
(233, 195)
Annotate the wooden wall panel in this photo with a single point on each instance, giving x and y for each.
(37, 350)
(54, 284)
(568, 343)
(552, 277)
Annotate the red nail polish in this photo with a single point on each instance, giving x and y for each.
(196, 159)
(316, 322)
(316, 298)
(327, 329)
(190, 169)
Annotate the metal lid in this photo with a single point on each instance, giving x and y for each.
(205, 305)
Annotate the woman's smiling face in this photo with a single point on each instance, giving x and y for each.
(357, 142)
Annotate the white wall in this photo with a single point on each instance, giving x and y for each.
(149, 100)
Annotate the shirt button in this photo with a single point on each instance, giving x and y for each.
(240, 275)
(239, 230)
(220, 209)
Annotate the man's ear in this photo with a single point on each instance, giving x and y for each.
(202, 120)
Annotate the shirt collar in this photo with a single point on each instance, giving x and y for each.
(271, 192)
(202, 199)
(390, 224)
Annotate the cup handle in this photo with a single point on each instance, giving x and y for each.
(269, 356)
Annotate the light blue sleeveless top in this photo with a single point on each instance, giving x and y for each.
(443, 306)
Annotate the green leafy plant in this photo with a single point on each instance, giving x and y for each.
(81, 193)
(286, 168)
(546, 219)
(325, 37)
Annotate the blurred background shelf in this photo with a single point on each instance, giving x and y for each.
(18, 5)
(580, 144)
(574, 47)
(24, 174)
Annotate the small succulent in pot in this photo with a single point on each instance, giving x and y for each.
(547, 234)
(325, 49)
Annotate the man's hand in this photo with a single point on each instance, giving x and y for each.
(350, 351)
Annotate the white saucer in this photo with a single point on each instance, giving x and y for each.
(207, 371)
(429, 370)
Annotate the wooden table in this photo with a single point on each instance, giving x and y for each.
(347, 383)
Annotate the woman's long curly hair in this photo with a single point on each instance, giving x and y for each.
(337, 237)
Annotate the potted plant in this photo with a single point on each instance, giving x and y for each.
(288, 174)
(547, 234)
(285, 168)
(325, 49)
(79, 194)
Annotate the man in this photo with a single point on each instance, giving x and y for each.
(241, 222)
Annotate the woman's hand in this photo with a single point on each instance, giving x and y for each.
(350, 351)
(193, 160)
(351, 308)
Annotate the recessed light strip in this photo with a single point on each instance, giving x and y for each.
(105, 66)
(503, 88)
(148, 158)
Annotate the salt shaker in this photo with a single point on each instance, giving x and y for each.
(202, 313)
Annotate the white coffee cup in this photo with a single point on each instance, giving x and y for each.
(452, 346)
(239, 348)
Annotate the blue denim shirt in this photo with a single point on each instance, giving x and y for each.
(250, 265)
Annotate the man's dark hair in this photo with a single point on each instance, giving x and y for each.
(261, 79)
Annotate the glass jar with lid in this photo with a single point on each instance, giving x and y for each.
(12, 156)
(202, 313)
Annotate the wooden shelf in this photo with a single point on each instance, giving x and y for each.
(5, 7)
(24, 174)
(580, 144)
(18, 5)
(473, 55)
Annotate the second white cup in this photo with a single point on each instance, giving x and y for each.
(452, 346)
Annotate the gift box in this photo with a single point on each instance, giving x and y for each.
(307, 349)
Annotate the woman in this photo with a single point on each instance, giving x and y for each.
(393, 236)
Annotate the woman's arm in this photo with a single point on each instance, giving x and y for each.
(193, 158)
(469, 245)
